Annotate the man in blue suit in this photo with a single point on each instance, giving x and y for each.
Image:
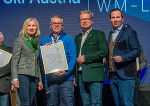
(123, 50)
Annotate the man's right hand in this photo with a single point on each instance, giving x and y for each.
(81, 59)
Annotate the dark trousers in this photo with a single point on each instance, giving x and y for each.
(27, 89)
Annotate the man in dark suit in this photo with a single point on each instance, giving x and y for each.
(123, 50)
(91, 48)
(4, 76)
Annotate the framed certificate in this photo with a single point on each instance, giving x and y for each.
(4, 57)
(54, 58)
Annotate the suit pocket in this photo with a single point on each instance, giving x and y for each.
(130, 69)
(94, 66)
(90, 46)
(24, 64)
(91, 43)
(122, 45)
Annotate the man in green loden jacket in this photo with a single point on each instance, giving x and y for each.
(91, 49)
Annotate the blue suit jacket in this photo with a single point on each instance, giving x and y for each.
(127, 46)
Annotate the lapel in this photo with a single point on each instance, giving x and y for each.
(120, 35)
(79, 41)
(88, 37)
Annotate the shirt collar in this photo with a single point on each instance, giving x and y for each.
(118, 29)
(87, 32)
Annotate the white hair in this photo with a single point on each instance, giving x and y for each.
(1, 35)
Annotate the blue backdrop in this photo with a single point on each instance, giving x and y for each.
(13, 13)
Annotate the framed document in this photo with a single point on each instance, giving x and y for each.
(4, 57)
(54, 58)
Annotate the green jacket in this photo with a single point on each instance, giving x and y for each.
(94, 49)
(24, 60)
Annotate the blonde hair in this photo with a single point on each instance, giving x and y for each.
(86, 11)
(23, 31)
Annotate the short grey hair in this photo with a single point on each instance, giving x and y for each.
(57, 16)
(88, 12)
(1, 35)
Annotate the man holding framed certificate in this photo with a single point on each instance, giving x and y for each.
(5, 70)
(60, 46)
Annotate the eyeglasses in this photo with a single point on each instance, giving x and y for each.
(56, 23)
(85, 19)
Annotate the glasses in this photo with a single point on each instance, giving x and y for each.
(56, 23)
(85, 19)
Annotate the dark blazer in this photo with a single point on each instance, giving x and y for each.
(94, 49)
(127, 46)
(5, 72)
